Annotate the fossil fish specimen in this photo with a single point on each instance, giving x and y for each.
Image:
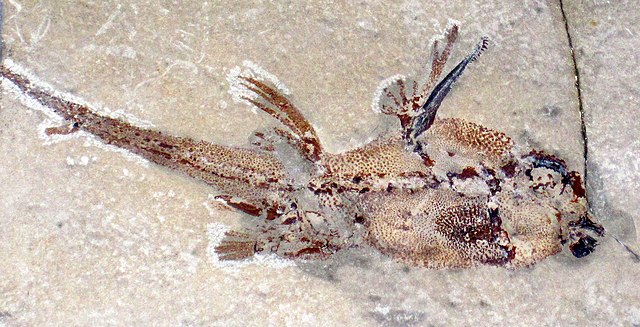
(439, 193)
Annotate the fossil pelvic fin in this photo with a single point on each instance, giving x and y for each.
(236, 246)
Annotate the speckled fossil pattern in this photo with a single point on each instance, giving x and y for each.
(435, 193)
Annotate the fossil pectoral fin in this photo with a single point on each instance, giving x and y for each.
(428, 111)
(261, 90)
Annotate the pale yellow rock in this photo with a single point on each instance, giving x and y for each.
(89, 237)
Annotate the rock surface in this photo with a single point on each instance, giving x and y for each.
(90, 236)
(605, 37)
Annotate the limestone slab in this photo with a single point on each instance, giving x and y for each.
(90, 236)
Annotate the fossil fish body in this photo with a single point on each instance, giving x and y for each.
(441, 193)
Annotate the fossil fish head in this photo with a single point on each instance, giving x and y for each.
(551, 181)
(491, 205)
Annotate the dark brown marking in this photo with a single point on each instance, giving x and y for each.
(242, 206)
(468, 172)
(509, 169)
(576, 185)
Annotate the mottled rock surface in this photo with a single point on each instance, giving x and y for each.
(90, 236)
(606, 38)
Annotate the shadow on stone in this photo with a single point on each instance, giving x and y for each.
(398, 317)
(619, 224)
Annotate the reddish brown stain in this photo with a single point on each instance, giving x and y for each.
(468, 172)
(509, 169)
(577, 185)
(244, 207)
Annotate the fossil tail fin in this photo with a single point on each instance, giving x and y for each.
(68, 110)
(235, 170)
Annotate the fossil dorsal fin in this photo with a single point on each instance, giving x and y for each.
(427, 112)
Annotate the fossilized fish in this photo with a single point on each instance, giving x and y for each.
(434, 193)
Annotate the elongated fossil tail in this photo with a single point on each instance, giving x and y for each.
(251, 175)
(69, 111)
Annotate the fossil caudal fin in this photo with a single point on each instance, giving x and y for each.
(427, 112)
(256, 87)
